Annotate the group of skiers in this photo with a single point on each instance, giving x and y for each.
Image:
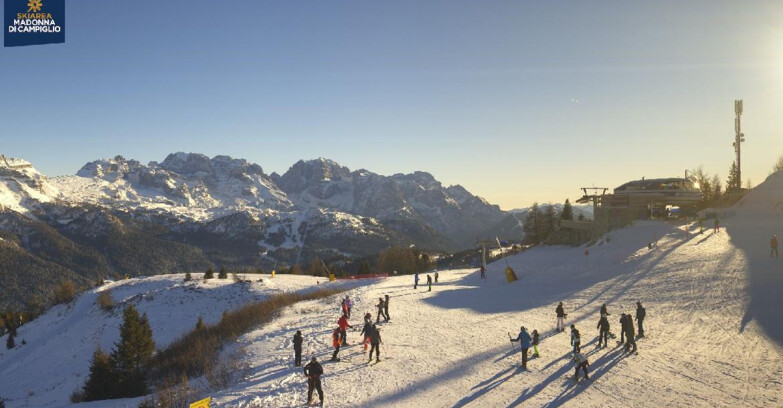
(371, 333)
(628, 336)
(429, 281)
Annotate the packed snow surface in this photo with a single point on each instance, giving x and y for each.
(713, 328)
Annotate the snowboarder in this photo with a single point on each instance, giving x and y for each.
(576, 341)
(773, 243)
(535, 343)
(381, 304)
(603, 333)
(343, 323)
(366, 330)
(640, 314)
(560, 317)
(313, 370)
(336, 342)
(524, 342)
(628, 329)
(429, 283)
(604, 313)
(416, 281)
(375, 341)
(581, 362)
(717, 225)
(386, 308)
(436, 276)
(298, 348)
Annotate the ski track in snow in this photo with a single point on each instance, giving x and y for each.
(449, 347)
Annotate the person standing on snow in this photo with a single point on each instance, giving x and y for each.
(298, 348)
(535, 343)
(436, 276)
(429, 283)
(336, 342)
(640, 315)
(717, 225)
(603, 331)
(416, 281)
(343, 323)
(380, 307)
(581, 362)
(386, 309)
(622, 328)
(367, 318)
(604, 312)
(313, 370)
(628, 329)
(349, 306)
(560, 317)
(576, 340)
(375, 341)
(366, 330)
(344, 306)
(524, 342)
(773, 243)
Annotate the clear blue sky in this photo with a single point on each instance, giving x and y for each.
(518, 101)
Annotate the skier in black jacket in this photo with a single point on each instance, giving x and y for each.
(313, 371)
(298, 348)
(560, 317)
(380, 307)
(603, 333)
(640, 314)
(375, 341)
(604, 313)
(386, 308)
(622, 328)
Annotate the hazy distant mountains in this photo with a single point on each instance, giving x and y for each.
(119, 216)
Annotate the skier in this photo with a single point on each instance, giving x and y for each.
(560, 317)
(367, 318)
(343, 323)
(603, 333)
(386, 308)
(575, 339)
(380, 307)
(429, 283)
(349, 306)
(483, 273)
(629, 334)
(416, 281)
(773, 243)
(535, 343)
(524, 342)
(375, 341)
(313, 371)
(336, 341)
(344, 306)
(640, 314)
(717, 225)
(604, 313)
(622, 329)
(436, 276)
(366, 330)
(581, 362)
(298, 348)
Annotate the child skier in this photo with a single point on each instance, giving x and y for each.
(386, 309)
(535, 343)
(575, 339)
(560, 317)
(336, 342)
(416, 281)
(380, 306)
(343, 323)
(375, 341)
(429, 283)
(366, 332)
(313, 370)
(641, 313)
(581, 363)
(524, 342)
(603, 331)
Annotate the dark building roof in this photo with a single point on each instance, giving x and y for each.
(661, 185)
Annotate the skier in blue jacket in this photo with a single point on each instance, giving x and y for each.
(525, 341)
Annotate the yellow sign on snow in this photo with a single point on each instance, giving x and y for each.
(202, 404)
(331, 277)
(510, 275)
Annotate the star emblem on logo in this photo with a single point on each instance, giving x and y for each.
(35, 5)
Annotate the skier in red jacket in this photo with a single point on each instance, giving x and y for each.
(343, 323)
(336, 341)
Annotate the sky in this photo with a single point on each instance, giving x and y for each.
(518, 101)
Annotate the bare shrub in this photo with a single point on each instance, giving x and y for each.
(64, 292)
(105, 300)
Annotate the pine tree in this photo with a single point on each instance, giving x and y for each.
(316, 268)
(568, 211)
(131, 353)
(364, 268)
(550, 221)
(222, 274)
(101, 382)
(209, 274)
(732, 182)
(200, 324)
(531, 224)
(10, 343)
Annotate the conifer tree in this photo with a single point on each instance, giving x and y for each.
(732, 182)
(10, 343)
(101, 382)
(568, 211)
(222, 274)
(209, 274)
(200, 324)
(131, 353)
(364, 268)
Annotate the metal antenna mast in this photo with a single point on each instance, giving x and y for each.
(738, 139)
